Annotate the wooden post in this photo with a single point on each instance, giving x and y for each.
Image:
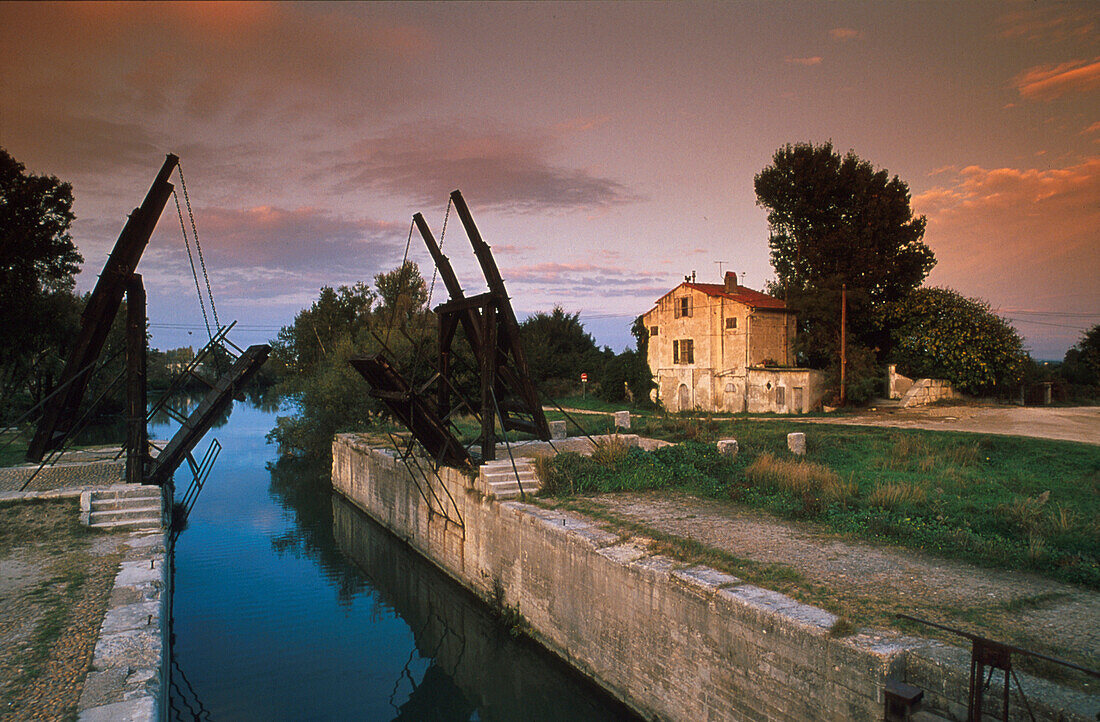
(488, 379)
(843, 344)
(137, 440)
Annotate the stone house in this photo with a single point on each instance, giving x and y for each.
(725, 347)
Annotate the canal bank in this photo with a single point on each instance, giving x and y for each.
(672, 641)
(84, 612)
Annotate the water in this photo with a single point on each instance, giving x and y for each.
(291, 604)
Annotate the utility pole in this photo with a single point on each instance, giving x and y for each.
(843, 344)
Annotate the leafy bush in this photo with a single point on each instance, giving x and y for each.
(941, 334)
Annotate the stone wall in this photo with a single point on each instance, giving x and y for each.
(928, 391)
(896, 384)
(672, 641)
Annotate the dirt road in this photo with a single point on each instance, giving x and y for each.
(1076, 423)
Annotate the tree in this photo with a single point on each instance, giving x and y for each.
(38, 261)
(402, 293)
(835, 221)
(341, 323)
(558, 350)
(1082, 362)
(939, 333)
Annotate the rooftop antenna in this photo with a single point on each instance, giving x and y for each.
(720, 268)
(742, 278)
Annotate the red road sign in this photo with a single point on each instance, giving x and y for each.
(584, 378)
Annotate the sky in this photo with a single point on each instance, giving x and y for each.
(606, 150)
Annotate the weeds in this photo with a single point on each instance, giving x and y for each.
(610, 450)
(894, 495)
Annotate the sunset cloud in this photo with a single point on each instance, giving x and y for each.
(843, 35)
(813, 60)
(1049, 23)
(501, 169)
(1018, 233)
(1047, 82)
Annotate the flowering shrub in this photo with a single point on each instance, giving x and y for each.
(941, 334)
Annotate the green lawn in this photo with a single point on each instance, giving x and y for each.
(997, 500)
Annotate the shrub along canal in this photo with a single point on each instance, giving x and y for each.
(290, 604)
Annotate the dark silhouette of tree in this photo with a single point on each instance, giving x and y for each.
(38, 260)
(834, 220)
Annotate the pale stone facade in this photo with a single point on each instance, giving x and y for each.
(708, 342)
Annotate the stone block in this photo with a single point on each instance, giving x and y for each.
(557, 430)
(622, 419)
(796, 442)
(727, 447)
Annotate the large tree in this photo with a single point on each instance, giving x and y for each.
(38, 261)
(836, 221)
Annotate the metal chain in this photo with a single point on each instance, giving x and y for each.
(400, 283)
(195, 233)
(187, 244)
(442, 236)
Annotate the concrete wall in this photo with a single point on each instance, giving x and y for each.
(673, 642)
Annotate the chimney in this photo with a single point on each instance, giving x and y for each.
(731, 282)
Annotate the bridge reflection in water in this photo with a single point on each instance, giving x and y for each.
(477, 669)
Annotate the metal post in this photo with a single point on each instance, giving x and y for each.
(137, 440)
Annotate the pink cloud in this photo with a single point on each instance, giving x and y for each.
(813, 60)
(1049, 23)
(843, 35)
(1018, 237)
(1047, 82)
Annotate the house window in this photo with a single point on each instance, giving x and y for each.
(652, 330)
(683, 351)
(683, 307)
(731, 323)
(780, 396)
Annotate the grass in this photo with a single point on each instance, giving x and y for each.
(1000, 501)
(12, 451)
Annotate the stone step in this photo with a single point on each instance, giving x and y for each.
(507, 491)
(505, 476)
(129, 502)
(144, 512)
(128, 524)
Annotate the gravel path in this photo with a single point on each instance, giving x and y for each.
(1075, 423)
(1035, 612)
(55, 582)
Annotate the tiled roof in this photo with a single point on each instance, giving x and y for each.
(744, 295)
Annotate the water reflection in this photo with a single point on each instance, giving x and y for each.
(477, 670)
(274, 621)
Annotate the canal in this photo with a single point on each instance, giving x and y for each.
(291, 604)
